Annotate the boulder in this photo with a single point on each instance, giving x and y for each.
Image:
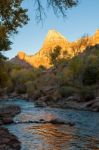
(7, 113)
(8, 141)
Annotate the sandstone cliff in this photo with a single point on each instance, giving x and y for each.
(54, 39)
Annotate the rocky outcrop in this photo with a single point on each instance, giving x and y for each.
(7, 140)
(52, 40)
(7, 113)
(19, 60)
(21, 55)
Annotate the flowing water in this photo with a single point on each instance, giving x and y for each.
(36, 135)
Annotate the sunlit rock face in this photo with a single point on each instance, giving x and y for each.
(21, 55)
(95, 38)
(54, 39)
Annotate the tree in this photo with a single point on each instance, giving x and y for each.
(54, 55)
(76, 67)
(12, 16)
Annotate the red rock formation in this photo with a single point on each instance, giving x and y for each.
(21, 55)
(54, 39)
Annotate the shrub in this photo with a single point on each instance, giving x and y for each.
(21, 77)
(24, 75)
(87, 93)
(67, 91)
(92, 59)
(65, 77)
(4, 78)
(30, 88)
(42, 68)
(10, 86)
(20, 88)
(91, 75)
(76, 66)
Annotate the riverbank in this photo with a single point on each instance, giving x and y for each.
(70, 102)
(7, 140)
(48, 100)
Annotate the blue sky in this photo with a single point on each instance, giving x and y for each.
(80, 20)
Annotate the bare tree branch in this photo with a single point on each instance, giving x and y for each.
(39, 11)
(58, 6)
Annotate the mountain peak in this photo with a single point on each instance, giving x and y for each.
(52, 31)
(21, 55)
(52, 34)
(53, 39)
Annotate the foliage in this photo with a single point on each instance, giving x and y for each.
(67, 91)
(81, 72)
(10, 86)
(30, 88)
(4, 76)
(42, 67)
(12, 16)
(91, 75)
(22, 76)
(19, 78)
(87, 93)
(72, 73)
(54, 55)
(76, 66)
(4, 40)
(64, 77)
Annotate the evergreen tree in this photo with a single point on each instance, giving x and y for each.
(12, 16)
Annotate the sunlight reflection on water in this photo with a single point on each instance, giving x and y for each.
(36, 136)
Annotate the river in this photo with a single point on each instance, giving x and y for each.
(34, 134)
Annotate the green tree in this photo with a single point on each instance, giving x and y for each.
(76, 66)
(4, 76)
(91, 75)
(54, 55)
(12, 16)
